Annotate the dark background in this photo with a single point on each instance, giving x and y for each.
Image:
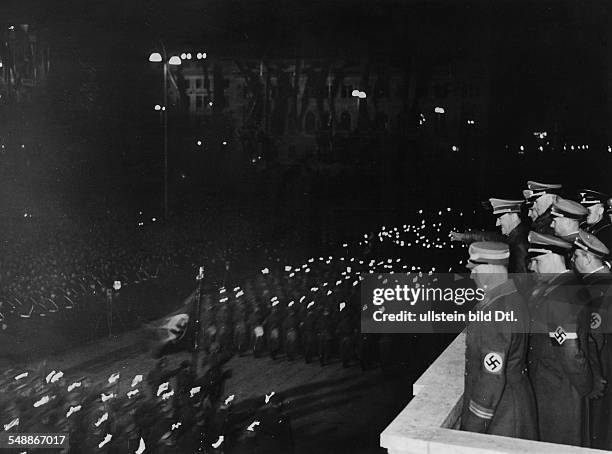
(549, 65)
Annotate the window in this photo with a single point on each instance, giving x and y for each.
(199, 102)
(187, 84)
(199, 83)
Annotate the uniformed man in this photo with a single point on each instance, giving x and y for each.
(598, 222)
(274, 432)
(567, 217)
(539, 198)
(559, 366)
(290, 331)
(272, 326)
(344, 334)
(513, 231)
(497, 397)
(589, 261)
(257, 332)
(308, 333)
(324, 336)
(241, 338)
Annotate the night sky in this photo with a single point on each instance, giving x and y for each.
(547, 59)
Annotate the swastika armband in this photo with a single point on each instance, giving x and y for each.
(595, 320)
(480, 411)
(560, 335)
(493, 363)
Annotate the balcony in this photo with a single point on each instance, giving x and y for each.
(427, 425)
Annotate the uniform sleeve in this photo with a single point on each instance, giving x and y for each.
(518, 256)
(597, 320)
(594, 341)
(572, 354)
(472, 237)
(576, 365)
(490, 375)
(595, 338)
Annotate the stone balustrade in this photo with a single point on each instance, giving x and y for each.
(428, 424)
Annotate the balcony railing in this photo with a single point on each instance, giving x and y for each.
(428, 424)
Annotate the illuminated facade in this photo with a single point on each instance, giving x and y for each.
(285, 96)
(24, 55)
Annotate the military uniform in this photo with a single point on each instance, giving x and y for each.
(603, 231)
(603, 228)
(308, 336)
(573, 212)
(600, 318)
(324, 337)
(533, 192)
(516, 239)
(273, 328)
(274, 433)
(559, 366)
(344, 333)
(257, 333)
(291, 336)
(542, 224)
(598, 281)
(497, 396)
(240, 336)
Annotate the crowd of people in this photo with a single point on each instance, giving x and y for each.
(550, 267)
(547, 377)
(167, 410)
(49, 269)
(306, 311)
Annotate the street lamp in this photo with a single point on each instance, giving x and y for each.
(156, 57)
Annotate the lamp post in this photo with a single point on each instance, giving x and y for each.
(197, 314)
(156, 57)
(109, 307)
(359, 95)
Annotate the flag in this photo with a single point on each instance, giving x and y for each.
(176, 331)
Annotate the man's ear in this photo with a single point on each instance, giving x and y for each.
(590, 258)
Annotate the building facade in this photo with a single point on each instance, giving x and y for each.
(443, 103)
(24, 62)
